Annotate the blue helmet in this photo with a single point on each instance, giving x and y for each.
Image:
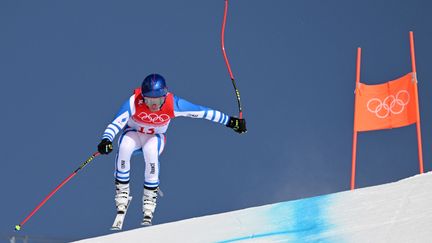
(154, 86)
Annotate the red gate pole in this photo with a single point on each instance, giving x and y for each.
(354, 146)
(414, 70)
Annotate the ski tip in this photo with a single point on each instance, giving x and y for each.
(115, 228)
(17, 227)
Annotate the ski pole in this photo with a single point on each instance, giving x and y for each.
(227, 62)
(18, 227)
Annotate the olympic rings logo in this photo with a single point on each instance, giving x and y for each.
(154, 118)
(390, 105)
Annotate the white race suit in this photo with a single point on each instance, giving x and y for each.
(144, 131)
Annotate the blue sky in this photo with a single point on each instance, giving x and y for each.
(67, 66)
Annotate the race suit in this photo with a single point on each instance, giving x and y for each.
(144, 131)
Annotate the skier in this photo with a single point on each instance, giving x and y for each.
(144, 120)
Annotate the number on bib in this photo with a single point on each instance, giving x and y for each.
(147, 130)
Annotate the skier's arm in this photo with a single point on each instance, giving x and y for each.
(187, 109)
(120, 120)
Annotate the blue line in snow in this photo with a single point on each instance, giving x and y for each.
(303, 220)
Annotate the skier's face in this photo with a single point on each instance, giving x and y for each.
(154, 104)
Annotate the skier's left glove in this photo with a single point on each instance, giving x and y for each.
(105, 146)
(238, 125)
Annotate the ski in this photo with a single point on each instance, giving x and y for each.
(119, 219)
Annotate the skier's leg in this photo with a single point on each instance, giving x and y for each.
(128, 143)
(153, 146)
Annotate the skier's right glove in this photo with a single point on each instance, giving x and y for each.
(105, 146)
(238, 125)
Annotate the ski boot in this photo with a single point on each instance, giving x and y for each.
(122, 197)
(149, 205)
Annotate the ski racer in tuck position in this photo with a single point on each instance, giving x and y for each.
(144, 119)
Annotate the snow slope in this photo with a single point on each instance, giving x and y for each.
(394, 212)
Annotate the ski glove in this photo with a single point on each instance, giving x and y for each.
(238, 125)
(105, 146)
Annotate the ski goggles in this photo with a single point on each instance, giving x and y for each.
(154, 103)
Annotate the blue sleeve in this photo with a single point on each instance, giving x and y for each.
(120, 120)
(185, 108)
(124, 108)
